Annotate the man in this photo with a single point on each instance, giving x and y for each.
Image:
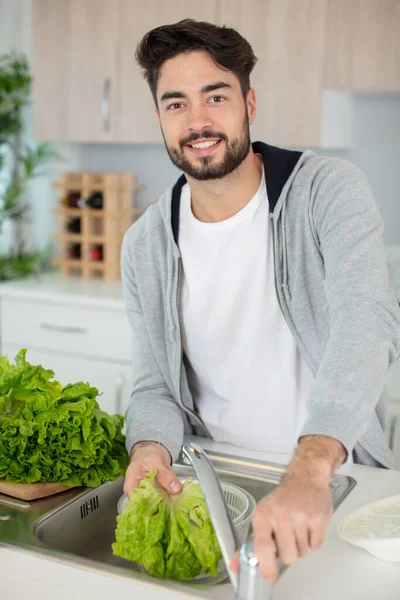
(257, 291)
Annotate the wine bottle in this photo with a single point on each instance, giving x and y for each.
(74, 251)
(96, 253)
(72, 199)
(95, 200)
(74, 225)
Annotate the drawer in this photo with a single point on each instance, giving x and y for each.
(85, 330)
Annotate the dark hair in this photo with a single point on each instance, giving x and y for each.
(225, 45)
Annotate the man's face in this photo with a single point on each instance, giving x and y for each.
(200, 103)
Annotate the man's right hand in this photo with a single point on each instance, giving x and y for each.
(148, 456)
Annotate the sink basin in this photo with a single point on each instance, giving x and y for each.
(78, 526)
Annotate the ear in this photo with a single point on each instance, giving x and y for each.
(251, 105)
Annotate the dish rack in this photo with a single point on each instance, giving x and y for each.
(95, 210)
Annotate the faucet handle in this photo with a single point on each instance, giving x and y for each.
(251, 586)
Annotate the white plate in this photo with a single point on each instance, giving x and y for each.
(375, 527)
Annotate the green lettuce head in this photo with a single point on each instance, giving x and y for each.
(170, 535)
(50, 433)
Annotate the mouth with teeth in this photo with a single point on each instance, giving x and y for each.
(204, 148)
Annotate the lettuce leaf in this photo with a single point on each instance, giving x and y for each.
(170, 535)
(51, 433)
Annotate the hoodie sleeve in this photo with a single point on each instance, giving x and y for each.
(364, 312)
(152, 413)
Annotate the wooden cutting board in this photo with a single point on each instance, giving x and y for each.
(31, 491)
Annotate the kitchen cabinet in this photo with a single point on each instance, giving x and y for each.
(74, 68)
(363, 45)
(137, 120)
(87, 84)
(289, 40)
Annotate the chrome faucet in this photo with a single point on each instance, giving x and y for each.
(248, 583)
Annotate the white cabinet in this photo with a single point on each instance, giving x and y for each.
(79, 341)
(77, 330)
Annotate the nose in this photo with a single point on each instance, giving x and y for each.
(199, 117)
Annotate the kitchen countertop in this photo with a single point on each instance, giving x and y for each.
(336, 570)
(72, 290)
(98, 292)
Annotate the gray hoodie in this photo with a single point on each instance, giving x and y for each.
(332, 286)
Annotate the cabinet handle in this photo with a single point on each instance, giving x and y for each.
(105, 104)
(62, 328)
(119, 386)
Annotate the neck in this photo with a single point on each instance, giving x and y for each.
(219, 199)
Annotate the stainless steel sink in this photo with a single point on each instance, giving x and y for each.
(78, 526)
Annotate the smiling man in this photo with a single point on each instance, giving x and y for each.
(257, 291)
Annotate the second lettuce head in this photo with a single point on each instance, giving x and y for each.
(170, 535)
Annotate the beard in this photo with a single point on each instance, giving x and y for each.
(207, 167)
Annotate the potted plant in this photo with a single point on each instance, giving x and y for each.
(19, 163)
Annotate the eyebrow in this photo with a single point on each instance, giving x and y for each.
(206, 89)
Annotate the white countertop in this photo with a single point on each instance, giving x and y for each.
(72, 290)
(95, 292)
(337, 570)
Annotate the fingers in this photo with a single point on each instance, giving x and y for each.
(317, 534)
(265, 551)
(286, 542)
(167, 479)
(130, 479)
(302, 539)
(235, 563)
(148, 459)
(284, 533)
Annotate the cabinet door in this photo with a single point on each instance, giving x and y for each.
(289, 40)
(137, 121)
(363, 44)
(74, 69)
(113, 380)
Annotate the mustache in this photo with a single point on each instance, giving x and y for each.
(202, 136)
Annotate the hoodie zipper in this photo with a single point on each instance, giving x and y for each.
(271, 218)
(188, 410)
(179, 329)
(286, 314)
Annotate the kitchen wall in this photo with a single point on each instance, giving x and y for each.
(375, 147)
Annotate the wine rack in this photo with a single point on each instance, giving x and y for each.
(95, 210)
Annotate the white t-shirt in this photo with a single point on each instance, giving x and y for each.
(251, 382)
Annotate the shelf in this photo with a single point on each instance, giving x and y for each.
(91, 239)
(79, 262)
(95, 212)
(71, 187)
